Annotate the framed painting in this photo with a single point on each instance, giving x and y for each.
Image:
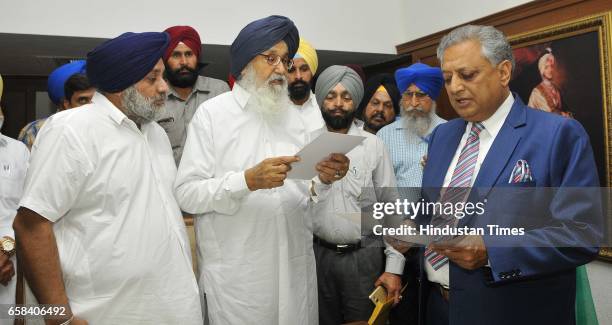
(565, 69)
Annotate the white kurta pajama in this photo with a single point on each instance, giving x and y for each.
(122, 243)
(13, 165)
(255, 250)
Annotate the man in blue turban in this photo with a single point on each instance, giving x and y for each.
(99, 228)
(428, 79)
(68, 87)
(259, 36)
(57, 80)
(406, 140)
(257, 262)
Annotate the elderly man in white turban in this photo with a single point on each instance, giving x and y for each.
(546, 96)
(254, 240)
(13, 164)
(348, 265)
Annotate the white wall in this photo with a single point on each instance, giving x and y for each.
(342, 25)
(329, 24)
(422, 18)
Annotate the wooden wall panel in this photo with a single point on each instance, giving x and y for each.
(524, 18)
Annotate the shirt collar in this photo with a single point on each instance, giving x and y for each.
(108, 108)
(310, 101)
(356, 127)
(494, 123)
(241, 95)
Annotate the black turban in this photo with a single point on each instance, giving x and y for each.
(259, 36)
(123, 61)
(386, 80)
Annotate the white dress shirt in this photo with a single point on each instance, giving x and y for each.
(492, 126)
(255, 253)
(13, 165)
(107, 187)
(370, 168)
(310, 114)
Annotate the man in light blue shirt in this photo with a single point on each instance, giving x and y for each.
(406, 139)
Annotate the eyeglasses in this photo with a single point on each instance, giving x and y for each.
(409, 94)
(274, 59)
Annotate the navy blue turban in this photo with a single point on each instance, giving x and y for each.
(123, 61)
(57, 79)
(259, 36)
(428, 79)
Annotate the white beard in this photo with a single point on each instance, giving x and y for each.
(415, 122)
(270, 102)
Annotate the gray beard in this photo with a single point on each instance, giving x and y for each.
(270, 102)
(139, 108)
(415, 123)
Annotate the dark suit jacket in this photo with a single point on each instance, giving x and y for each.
(531, 279)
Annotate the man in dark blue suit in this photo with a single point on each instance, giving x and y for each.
(498, 142)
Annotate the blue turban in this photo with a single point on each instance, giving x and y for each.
(123, 61)
(428, 79)
(259, 36)
(59, 76)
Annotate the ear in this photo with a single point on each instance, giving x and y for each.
(505, 72)
(65, 104)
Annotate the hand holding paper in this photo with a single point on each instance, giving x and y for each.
(269, 173)
(333, 168)
(325, 157)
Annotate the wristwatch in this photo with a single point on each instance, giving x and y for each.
(7, 245)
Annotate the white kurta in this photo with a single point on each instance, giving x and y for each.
(13, 165)
(255, 250)
(310, 114)
(107, 186)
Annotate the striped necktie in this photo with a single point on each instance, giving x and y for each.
(457, 189)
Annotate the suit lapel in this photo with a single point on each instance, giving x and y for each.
(447, 151)
(502, 148)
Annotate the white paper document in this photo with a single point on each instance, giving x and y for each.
(321, 147)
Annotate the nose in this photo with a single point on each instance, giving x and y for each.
(163, 86)
(413, 100)
(454, 86)
(338, 102)
(280, 68)
(183, 60)
(298, 74)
